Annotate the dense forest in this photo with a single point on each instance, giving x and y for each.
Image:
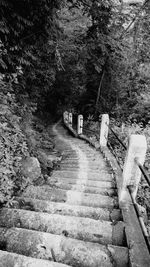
(89, 56)
(92, 56)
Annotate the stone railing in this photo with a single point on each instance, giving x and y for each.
(135, 155)
(127, 179)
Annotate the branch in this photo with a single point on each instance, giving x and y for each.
(99, 88)
(134, 19)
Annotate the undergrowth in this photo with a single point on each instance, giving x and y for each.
(22, 134)
(13, 145)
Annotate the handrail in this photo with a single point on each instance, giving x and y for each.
(114, 153)
(127, 185)
(147, 178)
(143, 171)
(120, 141)
(89, 130)
(143, 227)
(92, 131)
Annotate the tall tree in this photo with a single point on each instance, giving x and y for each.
(29, 32)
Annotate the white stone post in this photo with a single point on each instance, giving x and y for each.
(131, 172)
(104, 130)
(80, 124)
(122, 127)
(70, 119)
(66, 116)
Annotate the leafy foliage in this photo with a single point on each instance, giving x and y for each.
(12, 142)
(23, 24)
(115, 60)
(92, 56)
(29, 32)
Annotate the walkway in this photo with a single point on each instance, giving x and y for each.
(73, 220)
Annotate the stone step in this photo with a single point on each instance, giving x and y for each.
(8, 259)
(96, 176)
(83, 188)
(62, 249)
(78, 181)
(84, 146)
(90, 164)
(103, 232)
(65, 209)
(74, 161)
(69, 151)
(73, 152)
(74, 156)
(70, 197)
(62, 147)
(78, 168)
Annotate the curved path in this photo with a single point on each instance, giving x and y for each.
(72, 220)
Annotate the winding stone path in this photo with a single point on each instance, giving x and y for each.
(73, 220)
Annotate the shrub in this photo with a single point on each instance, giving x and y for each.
(13, 145)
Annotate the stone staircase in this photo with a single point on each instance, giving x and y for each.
(72, 220)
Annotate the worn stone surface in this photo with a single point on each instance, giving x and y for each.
(131, 172)
(80, 187)
(53, 158)
(101, 175)
(46, 192)
(30, 168)
(138, 250)
(66, 250)
(44, 160)
(86, 229)
(73, 218)
(97, 184)
(14, 260)
(66, 209)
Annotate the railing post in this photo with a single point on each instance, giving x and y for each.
(104, 130)
(131, 173)
(70, 119)
(66, 116)
(122, 127)
(80, 124)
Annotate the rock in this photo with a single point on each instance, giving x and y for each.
(44, 160)
(30, 168)
(54, 158)
(143, 213)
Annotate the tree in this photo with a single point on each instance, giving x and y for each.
(29, 32)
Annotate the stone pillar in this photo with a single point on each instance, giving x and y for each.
(80, 124)
(122, 127)
(104, 130)
(131, 172)
(66, 116)
(70, 119)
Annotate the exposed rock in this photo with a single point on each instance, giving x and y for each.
(54, 158)
(30, 168)
(44, 160)
(143, 213)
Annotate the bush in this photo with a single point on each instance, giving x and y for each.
(13, 145)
